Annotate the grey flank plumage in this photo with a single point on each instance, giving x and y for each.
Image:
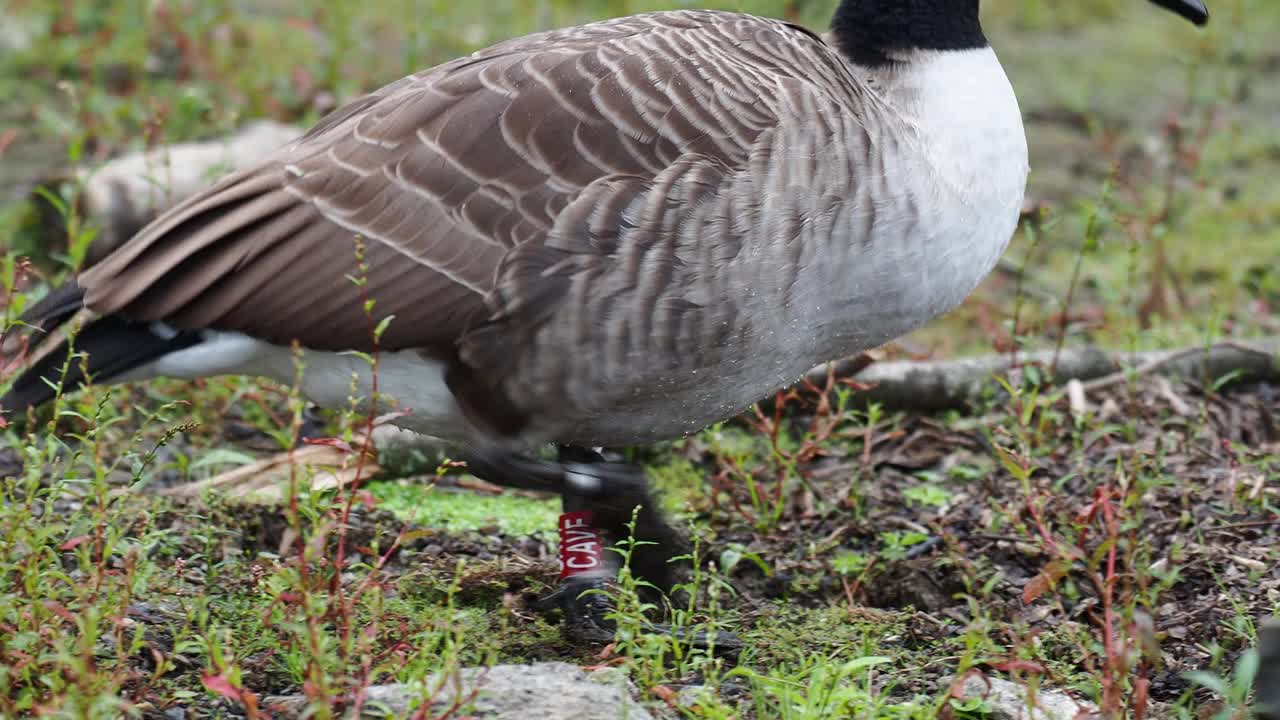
(581, 188)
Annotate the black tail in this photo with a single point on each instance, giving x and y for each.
(111, 346)
(59, 306)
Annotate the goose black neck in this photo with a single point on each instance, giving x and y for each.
(869, 31)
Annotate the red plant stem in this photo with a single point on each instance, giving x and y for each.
(745, 512)
(345, 608)
(1041, 528)
(1115, 662)
(295, 521)
(366, 667)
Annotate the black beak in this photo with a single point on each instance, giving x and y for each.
(1193, 10)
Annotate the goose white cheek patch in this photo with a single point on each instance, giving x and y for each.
(581, 549)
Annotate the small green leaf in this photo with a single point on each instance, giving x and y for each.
(55, 200)
(1246, 670)
(1210, 681)
(223, 456)
(1227, 379)
(382, 326)
(928, 495)
(864, 662)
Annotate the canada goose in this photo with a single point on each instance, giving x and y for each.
(607, 235)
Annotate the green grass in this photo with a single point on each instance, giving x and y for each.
(458, 512)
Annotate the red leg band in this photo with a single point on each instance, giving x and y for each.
(581, 550)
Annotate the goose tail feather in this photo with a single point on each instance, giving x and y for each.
(59, 345)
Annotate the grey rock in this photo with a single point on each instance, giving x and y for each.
(694, 695)
(15, 34)
(1010, 701)
(555, 691)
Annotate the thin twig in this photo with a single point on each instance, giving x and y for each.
(944, 385)
(1156, 364)
(1243, 526)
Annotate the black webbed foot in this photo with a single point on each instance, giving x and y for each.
(586, 616)
(587, 612)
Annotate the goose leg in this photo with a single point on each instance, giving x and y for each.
(599, 499)
(607, 492)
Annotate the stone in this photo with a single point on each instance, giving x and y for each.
(15, 34)
(504, 692)
(1011, 701)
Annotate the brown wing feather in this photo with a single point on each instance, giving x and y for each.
(487, 190)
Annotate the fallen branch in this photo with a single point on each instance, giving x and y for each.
(323, 467)
(267, 481)
(955, 384)
(121, 196)
(1227, 357)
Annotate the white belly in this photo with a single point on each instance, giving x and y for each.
(407, 381)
